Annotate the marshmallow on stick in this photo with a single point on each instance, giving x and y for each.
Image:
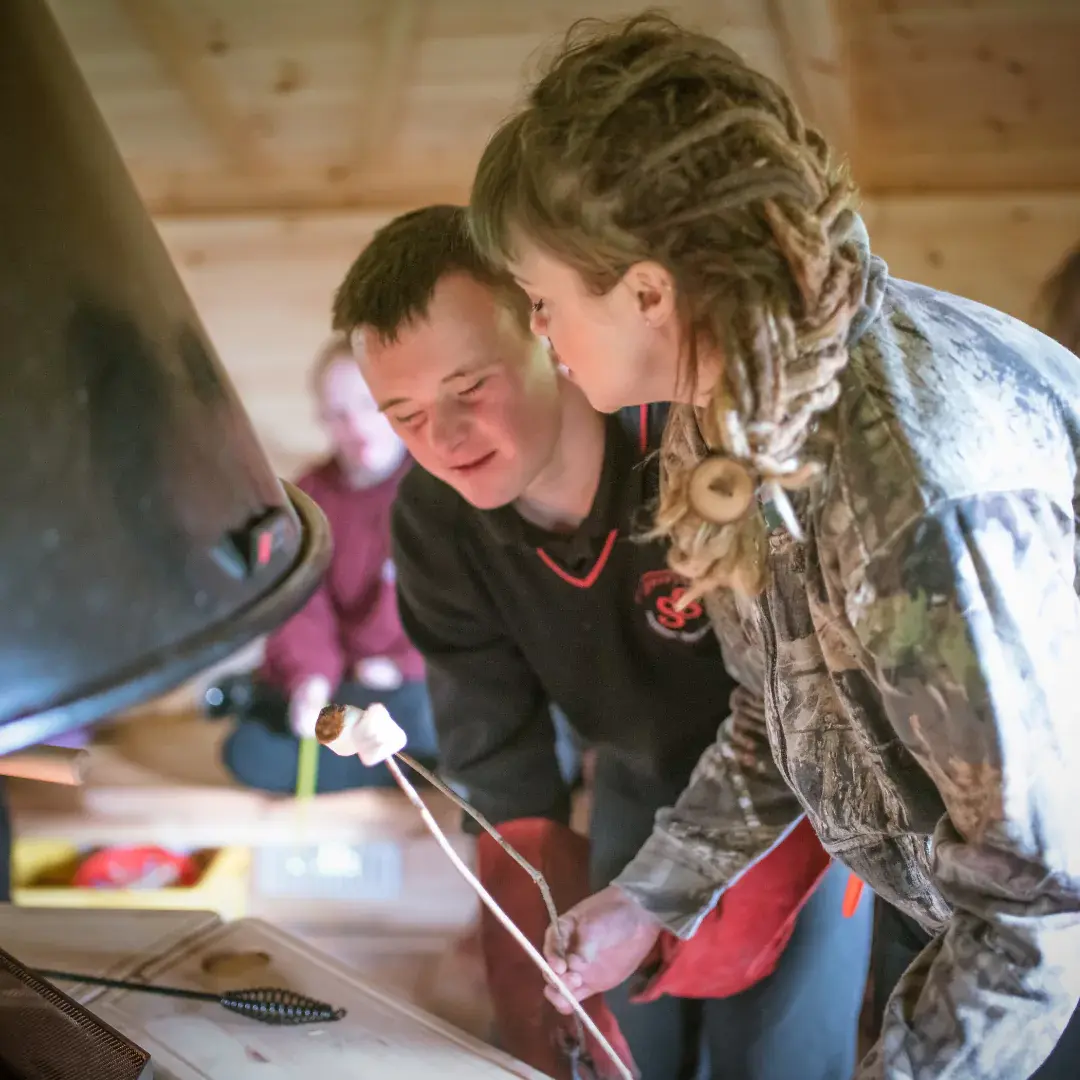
(371, 733)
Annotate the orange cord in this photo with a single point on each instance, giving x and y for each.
(852, 896)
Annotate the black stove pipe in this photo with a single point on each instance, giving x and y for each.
(143, 535)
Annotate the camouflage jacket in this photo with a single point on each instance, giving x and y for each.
(914, 667)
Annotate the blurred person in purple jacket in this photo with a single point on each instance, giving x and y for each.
(347, 642)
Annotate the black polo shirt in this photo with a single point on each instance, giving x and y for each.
(510, 618)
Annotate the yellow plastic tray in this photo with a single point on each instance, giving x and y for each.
(40, 867)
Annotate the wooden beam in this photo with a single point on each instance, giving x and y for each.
(170, 37)
(384, 89)
(810, 40)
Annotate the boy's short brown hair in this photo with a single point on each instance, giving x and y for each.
(391, 283)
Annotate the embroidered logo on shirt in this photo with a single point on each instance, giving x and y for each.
(659, 592)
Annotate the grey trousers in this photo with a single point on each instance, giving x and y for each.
(799, 1023)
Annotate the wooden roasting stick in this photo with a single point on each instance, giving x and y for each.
(49, 764)
(374, 736)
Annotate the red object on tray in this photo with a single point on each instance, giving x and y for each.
(136, 868)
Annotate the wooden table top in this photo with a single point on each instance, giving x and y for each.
(189, 1040)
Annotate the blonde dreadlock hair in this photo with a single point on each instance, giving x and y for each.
(646, 141)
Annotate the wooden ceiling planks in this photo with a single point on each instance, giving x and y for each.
(227, 105)
(965, 95)
(279, 105)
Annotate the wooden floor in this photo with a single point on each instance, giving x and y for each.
(156, 778)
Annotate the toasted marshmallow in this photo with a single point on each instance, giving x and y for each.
(371, 733)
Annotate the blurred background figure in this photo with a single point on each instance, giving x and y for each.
(346, 644)
(1060, 302)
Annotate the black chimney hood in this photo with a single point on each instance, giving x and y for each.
(143, 535)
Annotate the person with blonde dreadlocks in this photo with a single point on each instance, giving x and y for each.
(874, 487)
(1059, 302)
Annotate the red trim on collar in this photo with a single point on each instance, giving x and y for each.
(589, 579)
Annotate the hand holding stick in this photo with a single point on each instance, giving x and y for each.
(375, 737)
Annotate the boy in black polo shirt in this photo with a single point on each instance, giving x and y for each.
(523, 581)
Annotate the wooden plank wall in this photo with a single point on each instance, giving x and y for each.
(263, 284)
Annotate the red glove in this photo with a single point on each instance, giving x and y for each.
(742, 939)
(528, 1027)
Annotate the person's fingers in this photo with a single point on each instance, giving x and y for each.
(573, 981)
(576, 962)
(555, 996)
(568, 978)
(555, 935)
(553, 943)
